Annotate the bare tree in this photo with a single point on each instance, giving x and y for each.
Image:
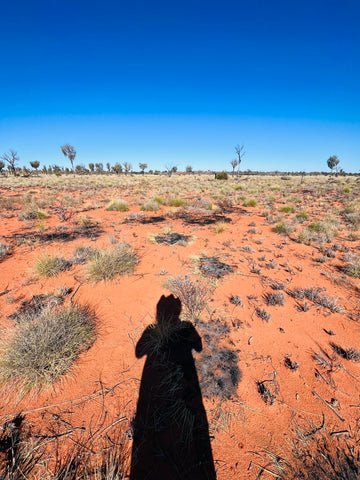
(11, 159)
(170, 168)
(69, 152)
(127, 167)
(240, 152)
(234, 163)
(2, 166)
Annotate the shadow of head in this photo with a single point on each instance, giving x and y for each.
(168, 310)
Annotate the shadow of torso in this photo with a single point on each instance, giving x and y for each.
(171, 435)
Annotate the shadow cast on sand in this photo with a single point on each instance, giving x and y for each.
(171, 434)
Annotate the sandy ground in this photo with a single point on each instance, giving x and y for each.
(288, 374)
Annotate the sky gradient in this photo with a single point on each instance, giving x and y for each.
(182, 82)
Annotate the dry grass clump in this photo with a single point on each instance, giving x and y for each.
(177, 202)
(120, 259)
(193, 295)
(276, 298)
(43, 348)
(251, 202)
(220, 227)
(82, 255)
(33, 212)
(99, 453)
(349, 353)
(150, 206)
(320, 455)
(283, 228)
(50, 265)
(4, 250)
(352, 269)
(316, 296)
(20, 451)
(118, 205)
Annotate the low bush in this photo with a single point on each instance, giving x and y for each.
(250, 203)
(283, 228)
(151, 206)
(118, 206)
(177, 202)
(221, 176)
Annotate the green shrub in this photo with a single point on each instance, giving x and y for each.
(39, 351)
(177, 202)
(118, 205)
(251, 202)
(315, 227)
(221, 176)
(107, 264)
(303, 215)
(283, 228)
(287, 209)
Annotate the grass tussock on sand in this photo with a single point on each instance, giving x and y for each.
(41, 349)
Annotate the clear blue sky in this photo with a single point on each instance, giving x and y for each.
(182, 82)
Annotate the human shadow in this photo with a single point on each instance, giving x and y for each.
(170, 429)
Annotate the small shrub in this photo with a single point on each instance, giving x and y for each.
(236, 300)
(275, 298)
(50, 265)
(348, 353)
(151, 206)
(314, 227)
(221, 176)
(263, 314)
(316, 296)
(118, 205)
(38, 353)
(316, 455)
(352, 269)
(220, 227)
(4, 250)
(193, 295)
(287, 209)
(177, 202)
(82, 255)
(33, 212)
(290, 364)
(86, 222)
(302, 216)
(251, 202)
(277, 286)
(283, 228)
(107, 264)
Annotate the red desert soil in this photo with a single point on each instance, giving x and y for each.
(279, 357)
